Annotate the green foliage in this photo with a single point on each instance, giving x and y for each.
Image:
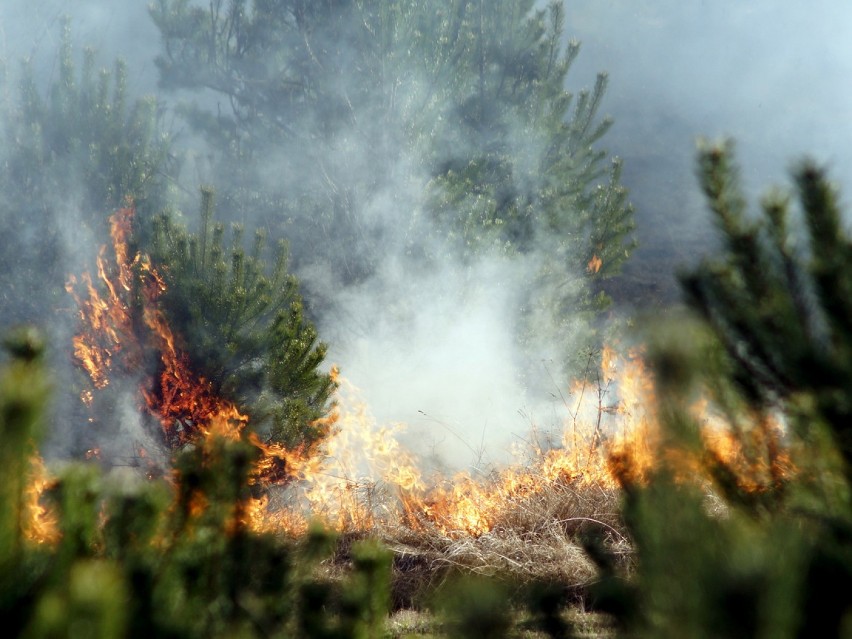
(244, 326)
(145, 558)
(23, 395)
(367, 599)
(781, 309)
(475, 607)
(765, 558)
(83, 139)
(362, 603)
(389, 124)
(69, 158)
(92, 596)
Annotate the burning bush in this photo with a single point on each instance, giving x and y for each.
(125, 329)
(244, 326)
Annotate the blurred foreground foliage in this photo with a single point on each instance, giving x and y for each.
(157, 558)
(121, 555)
(766, 555)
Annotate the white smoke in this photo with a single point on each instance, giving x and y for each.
(436, 349)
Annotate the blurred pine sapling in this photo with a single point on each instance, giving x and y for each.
(770, 554)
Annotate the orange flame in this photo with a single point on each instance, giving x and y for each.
(594, 264)
(41, 525)
(360, 475)
(611, 436)
(107, 318)
(367, 478)
(184, 403)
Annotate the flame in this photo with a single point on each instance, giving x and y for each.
(757, 459)
(359, 476)
(611, 437)
(107, 317)
(594, 264)
(346, 482)
(41, 525)
(366, 478)
(184, 403)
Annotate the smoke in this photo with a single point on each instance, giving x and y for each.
(32, 30)
(428, 337)
(772, 74)
(436, 351)
(436, 348)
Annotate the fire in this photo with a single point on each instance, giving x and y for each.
(366, 477)
(123, 323)
(594, 430)
(183, 402)
(107, 317)
(594, 264)
(611, 435)
(40, 524)
(757, 459)
(359, 476)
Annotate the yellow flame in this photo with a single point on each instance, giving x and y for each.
(41, 524)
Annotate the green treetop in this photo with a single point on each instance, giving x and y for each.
(452, 114)
(70, 155)
(243, 326)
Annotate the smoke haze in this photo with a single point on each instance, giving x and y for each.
(772, 74)
(435, 349)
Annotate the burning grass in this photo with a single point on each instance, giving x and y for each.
(523, 523)
(535, 539)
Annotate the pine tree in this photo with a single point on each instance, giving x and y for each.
(243, 326)
(781, 309)
(70, 158)
(453, 114)
(773, 557)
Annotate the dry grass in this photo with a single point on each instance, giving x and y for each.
(534, 537)
(423, 625)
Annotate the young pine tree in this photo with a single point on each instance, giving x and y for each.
(407, 127)
(243, 326)
(772, 558)
(72, 152)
